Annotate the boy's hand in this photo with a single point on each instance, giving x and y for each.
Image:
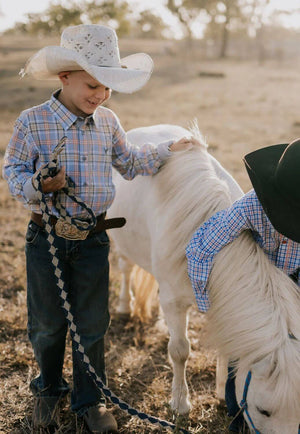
(184, 144)
(54, 183)
(58, 181)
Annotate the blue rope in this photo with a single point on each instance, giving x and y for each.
(243, 403)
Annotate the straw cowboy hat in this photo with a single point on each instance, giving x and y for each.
(94, 49)
(275, 176)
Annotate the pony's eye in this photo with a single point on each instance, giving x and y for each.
(263, 412)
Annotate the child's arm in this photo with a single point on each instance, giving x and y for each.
(132, 160)
(19, 158)
(218, 231)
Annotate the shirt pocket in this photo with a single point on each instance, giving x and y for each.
(101, 166)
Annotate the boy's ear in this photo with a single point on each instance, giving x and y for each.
(63, 76)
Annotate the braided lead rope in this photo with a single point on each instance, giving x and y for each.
(66, 306)
(51, 169)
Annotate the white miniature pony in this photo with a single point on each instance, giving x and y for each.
(255, 309)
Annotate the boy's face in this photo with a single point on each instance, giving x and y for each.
(81, 93)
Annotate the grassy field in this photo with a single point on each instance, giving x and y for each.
(240, 106)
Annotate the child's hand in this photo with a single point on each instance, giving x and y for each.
(184, 144)
(56, 183)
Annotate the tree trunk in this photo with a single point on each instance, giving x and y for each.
(224, 41)
(225, 33)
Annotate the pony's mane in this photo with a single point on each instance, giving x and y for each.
(188, 192)
(251, 299)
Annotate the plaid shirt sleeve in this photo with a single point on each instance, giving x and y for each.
(221, 229)
(19, 160)
(131, 160)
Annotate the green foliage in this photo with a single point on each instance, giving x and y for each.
(53, 20)
(219, 20)
(187, 11)
(56, 17)
(109, 12)
(222, 17)
(115, 13)
(149, 25)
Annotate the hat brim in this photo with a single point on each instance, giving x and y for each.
(133, 73)
(261, 166)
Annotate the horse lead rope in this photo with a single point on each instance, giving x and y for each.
(50, 169)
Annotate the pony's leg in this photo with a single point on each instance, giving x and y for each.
(124, 303)
(221, 376)
(179, 350)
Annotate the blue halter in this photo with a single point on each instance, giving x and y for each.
(244, 405)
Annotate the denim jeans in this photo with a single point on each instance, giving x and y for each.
(85, 271)
(238, 423)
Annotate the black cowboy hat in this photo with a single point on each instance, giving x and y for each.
(275, 175)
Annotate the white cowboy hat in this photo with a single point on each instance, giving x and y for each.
(94, 49)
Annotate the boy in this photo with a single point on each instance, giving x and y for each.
(271, 212)
(88, 66)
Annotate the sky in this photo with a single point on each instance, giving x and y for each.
(15, 10)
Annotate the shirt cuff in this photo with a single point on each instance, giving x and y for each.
(163, 149)
(30, 192)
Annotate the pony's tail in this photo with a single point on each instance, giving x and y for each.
(146, 293)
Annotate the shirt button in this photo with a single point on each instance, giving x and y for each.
(83, 158)
(283, 241)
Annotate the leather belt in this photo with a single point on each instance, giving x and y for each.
(101, 225)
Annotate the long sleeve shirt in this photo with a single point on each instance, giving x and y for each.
(94, 145)
(224, 227)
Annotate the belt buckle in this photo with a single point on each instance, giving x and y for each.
(68, 231)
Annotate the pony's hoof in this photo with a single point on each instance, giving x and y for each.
(181, 408)
(161, 326)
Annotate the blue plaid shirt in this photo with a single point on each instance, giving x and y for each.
(94, 145)
(224, 227)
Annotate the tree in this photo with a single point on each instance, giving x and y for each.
(54, 19)
(112, 12)
(257, 25)
(150, 25)
(232, 11)
(187, 11)
(223, 17)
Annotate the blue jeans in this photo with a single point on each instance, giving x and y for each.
(85, 271)
(238, 422)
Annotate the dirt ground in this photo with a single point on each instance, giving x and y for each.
(240, 106)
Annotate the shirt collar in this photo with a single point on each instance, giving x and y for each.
(65, 117)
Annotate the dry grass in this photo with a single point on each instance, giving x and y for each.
(250, 107)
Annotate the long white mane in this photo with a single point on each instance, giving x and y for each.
(188, 192)
(255, 309)
(255, 315)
